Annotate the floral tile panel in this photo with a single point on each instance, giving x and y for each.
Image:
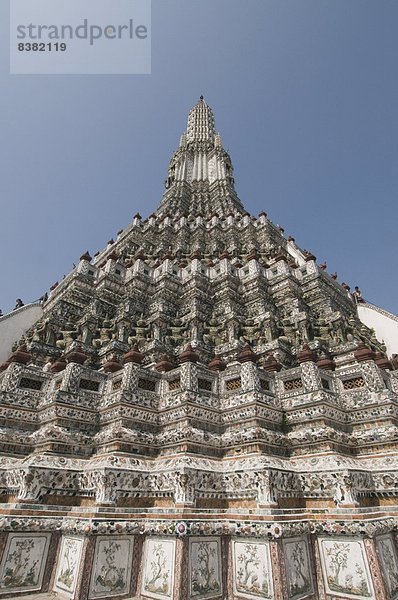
(298, 569)
(205, 568)
(158, 579)
(345, 568)
(24, 561)
(252, 569)
(389, 563)
(111, 571)
(68, 565)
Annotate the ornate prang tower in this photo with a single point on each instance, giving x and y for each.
(199, 414)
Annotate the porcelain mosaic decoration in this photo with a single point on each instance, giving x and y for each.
(23, 563)
(345, 568)
(252, 569)
(205, 568)
(388, 558)
(111, 567)
(68, 565)
(298, 568)
(158, 580)
(197, 405)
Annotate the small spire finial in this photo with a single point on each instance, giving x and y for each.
(200, 123)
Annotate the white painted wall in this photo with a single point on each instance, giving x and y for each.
(15, 324)
(384, 323)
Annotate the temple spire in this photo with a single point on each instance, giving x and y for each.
(200, 176)
(201, 123)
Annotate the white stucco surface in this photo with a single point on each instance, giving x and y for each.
(15, 324)
(384, 323)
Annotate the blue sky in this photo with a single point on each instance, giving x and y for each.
(305, 95)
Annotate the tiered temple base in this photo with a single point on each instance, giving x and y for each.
(113, 554)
